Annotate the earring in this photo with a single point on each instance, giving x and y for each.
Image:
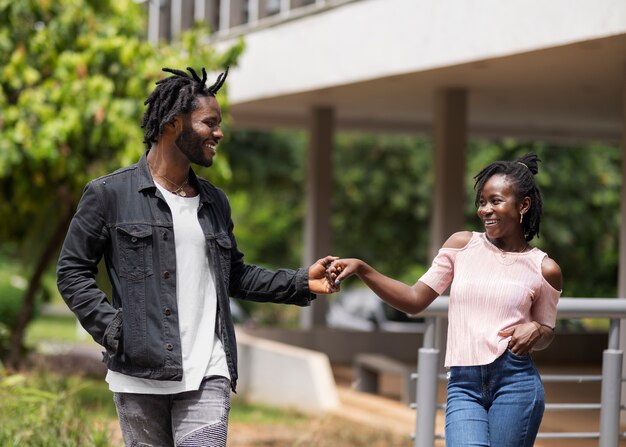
(521, 217)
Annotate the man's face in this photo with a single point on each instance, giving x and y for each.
(201, 132)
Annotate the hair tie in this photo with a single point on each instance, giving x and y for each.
(523, 164)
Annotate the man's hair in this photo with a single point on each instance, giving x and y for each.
(521, 173)
(173, 96)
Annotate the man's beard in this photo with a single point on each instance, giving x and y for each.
(190, 144)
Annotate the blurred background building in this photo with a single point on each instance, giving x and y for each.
(453, 69)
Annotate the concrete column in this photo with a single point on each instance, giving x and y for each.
(176, 17)
(450, 138)
(621, 273)
(317, 233)
(199, 10)
(622, 239)
(225, 7)
(253, 12)
(154, 21)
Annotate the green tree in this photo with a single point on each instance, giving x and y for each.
(382, 201)
(73, 78)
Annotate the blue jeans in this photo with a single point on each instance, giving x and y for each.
(495, 405)
(189, 419)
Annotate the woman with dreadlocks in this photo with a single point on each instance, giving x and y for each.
(167, 239)
(503, 299)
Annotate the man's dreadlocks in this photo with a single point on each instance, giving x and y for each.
(173, 96)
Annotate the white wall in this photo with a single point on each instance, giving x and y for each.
(285, 376)
(368, 39)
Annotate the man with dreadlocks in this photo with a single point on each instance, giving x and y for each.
(503, 300)
(167, 239)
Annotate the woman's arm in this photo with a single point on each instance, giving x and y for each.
(410, 299)
(552, 273)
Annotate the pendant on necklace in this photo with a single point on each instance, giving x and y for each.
(180, 192)
(506, 260)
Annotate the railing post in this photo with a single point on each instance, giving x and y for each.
(611, 390)
(428, 364)
(426, 390)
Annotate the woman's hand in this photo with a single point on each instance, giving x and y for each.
(525, 337)
(341, 269)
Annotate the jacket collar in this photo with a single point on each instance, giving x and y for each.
(147, 182)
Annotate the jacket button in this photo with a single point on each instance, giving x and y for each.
(166, 274)
(168, 312)
(133, 239)
(169, 346)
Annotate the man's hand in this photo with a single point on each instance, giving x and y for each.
(318, 278)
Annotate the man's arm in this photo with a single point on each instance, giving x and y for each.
(78, 264)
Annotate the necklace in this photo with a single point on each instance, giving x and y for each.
(509, 257)
(180, 189)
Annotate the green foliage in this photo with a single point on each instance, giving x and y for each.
(266, 193)
(73, 80)
(381, 197)
(382, 201)
(44, 411)
(10, 301)
(245, 412)
(55, 328)
(11, 291)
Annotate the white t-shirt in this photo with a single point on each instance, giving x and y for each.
(196, 295)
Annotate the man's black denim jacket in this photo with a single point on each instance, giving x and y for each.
(123, 217)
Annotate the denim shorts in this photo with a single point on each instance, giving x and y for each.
(189, 419)
(495, 405)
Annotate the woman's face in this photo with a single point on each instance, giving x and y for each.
(499, 209)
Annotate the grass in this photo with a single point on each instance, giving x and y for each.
(95, 395)
(247, 413)
(90, 408)
(55, 328)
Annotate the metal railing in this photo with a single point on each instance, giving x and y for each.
(226, 18)
(569, 308)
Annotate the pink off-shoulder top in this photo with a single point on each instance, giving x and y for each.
(490, 291)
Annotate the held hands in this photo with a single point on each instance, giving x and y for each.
(341, 269)
(523, 337)
(326, 274)
(319, 281)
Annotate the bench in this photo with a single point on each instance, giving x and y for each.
(368, 367)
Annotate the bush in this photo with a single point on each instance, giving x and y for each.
(10, 303)
(43, 411)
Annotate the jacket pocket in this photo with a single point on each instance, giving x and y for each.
(220, 246)
(224, 246)
(135, 251)
(113, 334)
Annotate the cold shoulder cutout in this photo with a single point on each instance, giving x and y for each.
(552, 273)
(458, 240)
